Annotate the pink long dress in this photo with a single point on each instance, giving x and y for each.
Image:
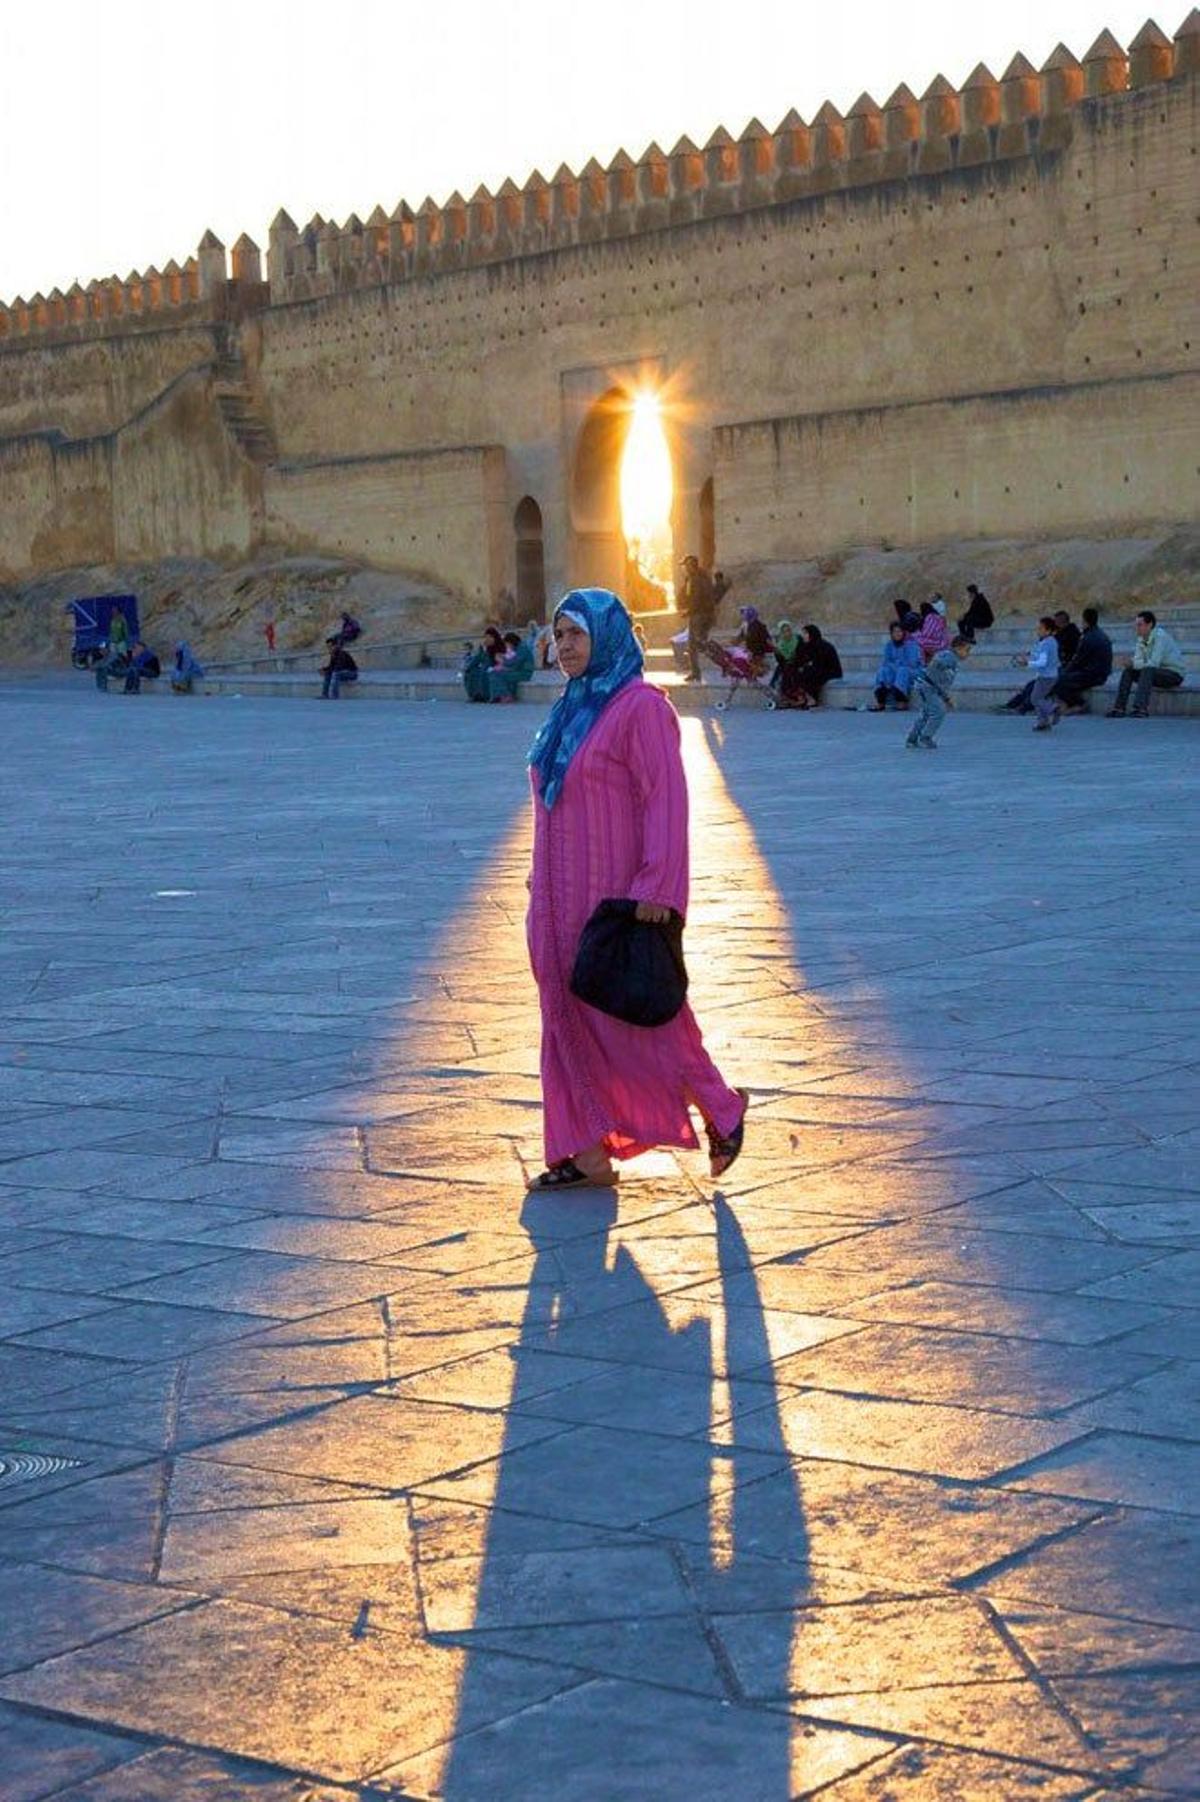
(619, 828)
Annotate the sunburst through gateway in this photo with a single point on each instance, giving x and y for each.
(646, 493)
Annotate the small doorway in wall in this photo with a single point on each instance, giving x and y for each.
(531, 560)
(708, 526)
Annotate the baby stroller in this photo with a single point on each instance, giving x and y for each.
(743, 670)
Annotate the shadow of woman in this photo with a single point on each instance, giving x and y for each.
(582, 1568)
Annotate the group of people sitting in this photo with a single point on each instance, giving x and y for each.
(915, 637)
(1064, 663)
(796, 665)
(1067, 663)
(804, 661)
(137, 663)
(496, 668)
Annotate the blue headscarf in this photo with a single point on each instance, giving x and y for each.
(616, 660)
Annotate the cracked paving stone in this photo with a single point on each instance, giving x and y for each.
(141, 1332)
(604, 1477)
(649, 1742)
(271, 1284)
(202, 1549)
(325, 1702)
(670, 1650)
(864, 1648)
(1010, 1375)
(1117, 1467)
(903, 1530)
(384, 1597)
(1167, 1403)
(46, 1612)
(896, 1435)
(1135, 1717)
(931, 1774)
(28, 1310)
(39, 1757)
(1062, 1643)
(1140, 1565)
(553, 1588)
(1006, 1719)
(1166, 1278)
(383, 1443)
(173, 1775)
(96, 1264)
(969, 1308)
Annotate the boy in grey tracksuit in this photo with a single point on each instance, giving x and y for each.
(931, 692)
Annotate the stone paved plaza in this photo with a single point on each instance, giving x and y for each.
(332, 1466)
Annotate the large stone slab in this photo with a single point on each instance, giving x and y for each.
(296, 1691)
(648, 1742)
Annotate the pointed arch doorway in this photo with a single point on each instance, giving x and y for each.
(530, 560)
(604, 552)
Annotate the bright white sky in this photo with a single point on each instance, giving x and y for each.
(128, 127)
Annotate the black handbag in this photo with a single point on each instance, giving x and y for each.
(632, 969)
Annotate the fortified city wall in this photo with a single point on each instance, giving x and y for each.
(971, 315)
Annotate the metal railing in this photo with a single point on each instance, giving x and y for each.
(402, 653)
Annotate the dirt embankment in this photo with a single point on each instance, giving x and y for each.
(222, 611)
(1021, 577)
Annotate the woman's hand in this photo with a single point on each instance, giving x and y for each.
(656, 916)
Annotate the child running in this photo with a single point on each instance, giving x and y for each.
(931, 692)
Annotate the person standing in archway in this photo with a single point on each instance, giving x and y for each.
(697, 603)
(611, 822)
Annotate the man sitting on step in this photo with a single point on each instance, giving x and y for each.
(1157, 662)
(1090, 667)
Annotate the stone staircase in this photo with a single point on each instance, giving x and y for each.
(235, 398)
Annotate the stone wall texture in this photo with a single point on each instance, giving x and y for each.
(969, 315)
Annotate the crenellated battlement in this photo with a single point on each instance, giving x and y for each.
(989, 119)
(207, 286)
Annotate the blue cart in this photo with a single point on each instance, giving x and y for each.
(93, 625)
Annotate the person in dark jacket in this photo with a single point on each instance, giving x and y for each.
(908, 616)
(1068, 636)
(753, 634)
(1090, 667)
(696, 602)
(820, 664)
(143, 664)
(340, 669)
(978, 616)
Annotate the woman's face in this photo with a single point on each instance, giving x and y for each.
(574, 646)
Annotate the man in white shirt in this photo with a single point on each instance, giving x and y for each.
(1157, 662)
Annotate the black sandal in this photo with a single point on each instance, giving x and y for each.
(724, 1150)
(566, 1174)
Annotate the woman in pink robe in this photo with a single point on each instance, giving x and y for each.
(611, 821)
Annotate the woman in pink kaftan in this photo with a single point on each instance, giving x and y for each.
(611, 821)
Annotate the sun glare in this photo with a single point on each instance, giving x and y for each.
(646, 490)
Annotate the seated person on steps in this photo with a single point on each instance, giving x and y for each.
(1157, 662)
